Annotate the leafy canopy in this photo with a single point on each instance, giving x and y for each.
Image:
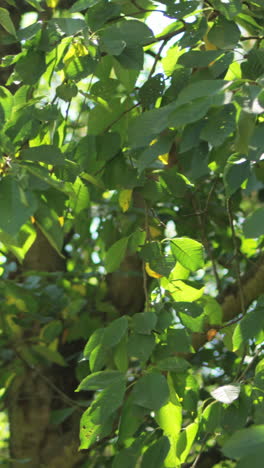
(137, 158)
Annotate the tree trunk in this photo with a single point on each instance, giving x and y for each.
(37, 391)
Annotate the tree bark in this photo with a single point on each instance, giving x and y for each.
(36, 392)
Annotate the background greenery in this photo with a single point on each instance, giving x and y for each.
(131, 231)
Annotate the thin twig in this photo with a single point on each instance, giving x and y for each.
(120, 116)
(157, 58)
(166, 36)
(236, 253)
(195, 463)
(248, 38)
(139, 7)
(232, 322)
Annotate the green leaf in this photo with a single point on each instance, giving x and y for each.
(48, 154)
(185, 441)
(107, 146)
(31, 67)
(95, 339)
(50, 354)
(152, 254)
(121, 355)
(98, 358)
(47, 221)
(129, 456)
(47, 113)
(125, 76)
(248, 327)
(227, 393)
(67, 91)
(101, 13)
(131, 418)
(212, 310)
(236, 171)
(188, 252)
(180, 10)
(179, 341)
(149, 124)
(130, 33)
(21, 242)
(228, 9)
(100, 380)
(90, 432)
(144, 322)
(175, 183)
(235, 416)
(169, 418)
(97, 420)
(254, 224)
(68, 26)
(116, 254)
(224, 34)
(79, 68)
(245, 442)
(16, 205)
(156, 453)
(253, 67)
(199, 89)
(256, 143)
(52, 330)
(141, 346)
(151, 90)
(81, 5)
(59, 416)
(151, 391)
(170, 65)
(106, 89)
(191, 315)
(189, 112)
(115, 332)
(35, 4)
(150, 154)
(254, 460)
(107, 401)
(6, 104)
(81, 199)
(131, 58)
(29, 31)
(199, 58)
(181, 291)
(6, 22)
(211, 417)
(173, 363)
(221, 123)
(102, 116)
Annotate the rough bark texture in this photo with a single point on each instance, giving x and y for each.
(32, 437)
(126, 286)
(32, 396)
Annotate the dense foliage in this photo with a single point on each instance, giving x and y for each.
(131, 233)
